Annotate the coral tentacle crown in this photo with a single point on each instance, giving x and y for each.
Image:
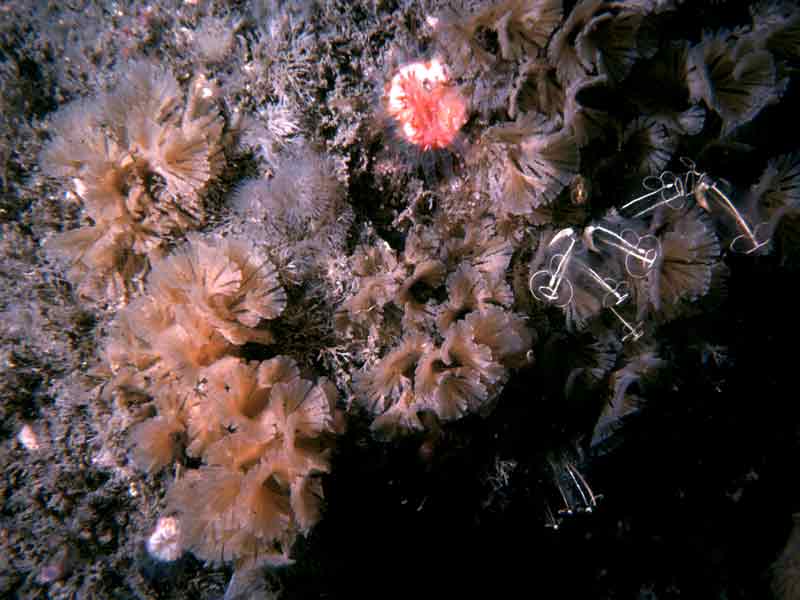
(428, 108)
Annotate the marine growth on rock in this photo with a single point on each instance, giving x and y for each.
(287, 306)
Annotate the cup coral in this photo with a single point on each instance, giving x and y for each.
(425, 105)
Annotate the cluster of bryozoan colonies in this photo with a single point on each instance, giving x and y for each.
(139, 160)
(447, 297)
(434, 323)
(261, 430)
(688, 266)
(546, 70)
(538, 86)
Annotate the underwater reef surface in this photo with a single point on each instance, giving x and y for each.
(345, 299)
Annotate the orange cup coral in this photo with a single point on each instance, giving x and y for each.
(426, 106)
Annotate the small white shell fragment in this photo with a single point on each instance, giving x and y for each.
(27, 437)
(164, 543)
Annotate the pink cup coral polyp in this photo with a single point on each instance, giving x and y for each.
(427, 108)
